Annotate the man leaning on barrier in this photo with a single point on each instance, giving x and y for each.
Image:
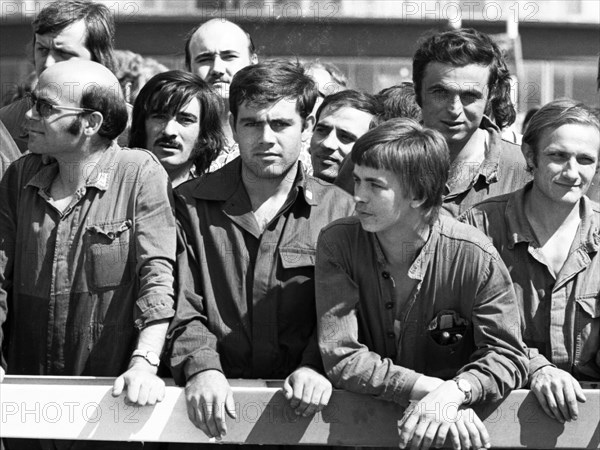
(245, 264)
(87, 242)
(548, 235)
(413, 306)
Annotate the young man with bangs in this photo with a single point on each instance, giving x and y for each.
(414, 306)
(177, 117)
(547, 235)
(247, 243)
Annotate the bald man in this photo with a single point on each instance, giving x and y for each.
(87, 242)
(216, 50)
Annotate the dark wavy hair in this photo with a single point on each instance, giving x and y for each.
(267, 82)
(463, 47)
(99, 24)
(419, 156)
(167, 93)
(350, 98)
(399, 101)
(188, 57)
(554, 115)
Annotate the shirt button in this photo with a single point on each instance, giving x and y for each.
(389, 305)
(391, 334)
(385, 275)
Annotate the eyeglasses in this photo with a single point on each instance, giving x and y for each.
(44, 108)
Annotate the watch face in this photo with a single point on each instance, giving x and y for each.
(464, 385)
(153, 358)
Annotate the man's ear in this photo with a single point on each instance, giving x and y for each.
(529, 154)
(417, 203)
(93, 123)
(254, 58)
(232, 126)
(309, 124)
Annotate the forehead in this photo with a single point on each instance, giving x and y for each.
(74, 34)
(471, 76)
(346, 115)
(286, 108)
(572, 138)
(59, 85)
(219, 37)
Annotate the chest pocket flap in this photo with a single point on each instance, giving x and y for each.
(296, 257)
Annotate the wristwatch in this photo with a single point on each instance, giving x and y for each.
(465, 387)
(148, 355)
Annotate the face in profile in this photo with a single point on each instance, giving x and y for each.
(454, 100)
(69, 43)
(173, 138)
(381, 202)
(567, 159)
(270, 137)
(333, 138)
(218, 50)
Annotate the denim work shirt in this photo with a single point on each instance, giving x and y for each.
(79, 283)
(245, 299)
(457, 271)
(562, 315)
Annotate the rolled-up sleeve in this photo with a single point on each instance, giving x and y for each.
(192, 346)
(155, 240)
(348, 363)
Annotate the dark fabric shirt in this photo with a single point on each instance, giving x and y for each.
(79, 283)
(245, 299)
(562, 314)
(9, 151)
(503, 170)
(372, 345)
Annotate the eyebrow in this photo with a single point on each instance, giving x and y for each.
(188, 115)
(224, 52)
(369, 179)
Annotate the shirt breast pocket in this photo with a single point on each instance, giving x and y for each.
(587, 328)
(108, 254)
(294, 258)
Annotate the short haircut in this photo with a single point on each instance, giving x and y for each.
(268, 82)
(338, 77)
(419, 156)
(399, 101)
(350, 99)
(133, 71)
(99, 25)
(167, 93)
(554, 115)
(111, 103)
(188, 39)
(460, 48)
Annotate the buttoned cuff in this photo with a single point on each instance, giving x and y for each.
(476, 385)
(151, 308)
(401, 387)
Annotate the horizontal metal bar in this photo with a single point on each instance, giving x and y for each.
(83, 408)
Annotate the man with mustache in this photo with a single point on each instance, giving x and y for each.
(177, 117)
(248, 232)
(462, 85)
(341, 119)
(215, 51)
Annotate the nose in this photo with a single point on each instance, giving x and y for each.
(571, 169)
(331, 141)
(171, 127)
(32, 113)
(49, 61)
(267, 135)
(455, 104)
(360, 194)
(218, 66)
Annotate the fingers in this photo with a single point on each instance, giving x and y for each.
(463, 434)
(570, 399)
(578, 391)
(407, 429)
(419, 434)
(118, 386)
(541, 397)
(454, 437)
(483, 432)
(230, 405)
(442, 433)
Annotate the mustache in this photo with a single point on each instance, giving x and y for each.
(167, 142)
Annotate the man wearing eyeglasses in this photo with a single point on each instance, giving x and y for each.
(87, 242)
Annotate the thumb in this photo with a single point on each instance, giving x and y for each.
(230, 405)
(118, 386)
(288, 391)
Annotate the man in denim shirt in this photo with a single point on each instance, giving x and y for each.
(87, 242)
(245, 300)
(548, 235)
(412, 306)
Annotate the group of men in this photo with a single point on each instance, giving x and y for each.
(257, 266)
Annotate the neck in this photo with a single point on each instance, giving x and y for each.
(548, 215)
(471, 149)
(180, 174)
(402, 244)
(262, 189)
(75, 168)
